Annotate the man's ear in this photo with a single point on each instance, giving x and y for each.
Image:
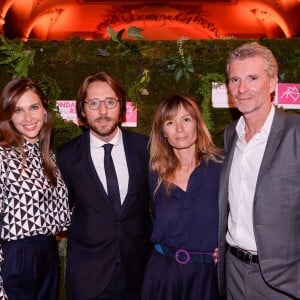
(273, 83)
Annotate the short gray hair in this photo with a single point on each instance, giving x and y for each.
(254, 49)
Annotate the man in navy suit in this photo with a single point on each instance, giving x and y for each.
(108, 247)
(259, 198)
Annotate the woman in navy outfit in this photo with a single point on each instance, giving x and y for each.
(184, 177)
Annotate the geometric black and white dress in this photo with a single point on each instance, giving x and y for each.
(3, 295)
(31, 204)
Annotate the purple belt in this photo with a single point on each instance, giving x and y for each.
(183, 256)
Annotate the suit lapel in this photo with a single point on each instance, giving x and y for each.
(130, 154)
(230, 138)
(230, 142)
(274, 139)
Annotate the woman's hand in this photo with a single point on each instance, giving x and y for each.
(216, 256)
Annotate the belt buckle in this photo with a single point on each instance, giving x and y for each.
(247, 256)
(182, 256)
(250, 258)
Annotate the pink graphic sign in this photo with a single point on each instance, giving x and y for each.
(288, 95)
(130, 119)
(67, 110)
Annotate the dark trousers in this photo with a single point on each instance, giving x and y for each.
(117, 289)
(31, 268)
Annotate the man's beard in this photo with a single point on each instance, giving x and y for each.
(104, 130)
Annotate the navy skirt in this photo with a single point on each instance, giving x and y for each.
(165, 279)
(31, 268)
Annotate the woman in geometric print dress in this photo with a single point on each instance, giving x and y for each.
(184, 178)
(33, 194)
(3, 295)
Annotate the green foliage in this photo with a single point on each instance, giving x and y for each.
(135, 32)
(205, 88)
(60, 67)
(125, 47)
(131, 32)
(18, 56)
(138, 88)
(50, 88)
(63, 130)
(181, 64)
(103, 52)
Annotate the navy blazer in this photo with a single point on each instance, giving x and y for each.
(276, 207)
(98, 235)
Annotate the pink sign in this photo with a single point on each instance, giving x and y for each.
(288, 95)
(219, 95)
(130, 119)
(67, 110)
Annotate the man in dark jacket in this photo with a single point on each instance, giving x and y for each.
(109, 238)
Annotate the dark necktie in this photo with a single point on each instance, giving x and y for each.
(111, 178)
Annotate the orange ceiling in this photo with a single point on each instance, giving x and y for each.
(160, 20)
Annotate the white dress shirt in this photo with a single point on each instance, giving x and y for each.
(119, 159)
(242, 184)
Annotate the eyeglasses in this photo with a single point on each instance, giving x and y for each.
(108, 102)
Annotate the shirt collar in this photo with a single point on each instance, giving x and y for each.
(96, 142)
(264, 131)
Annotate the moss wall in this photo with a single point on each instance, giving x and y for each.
(60, 67)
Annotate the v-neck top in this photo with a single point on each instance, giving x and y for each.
(188, 219)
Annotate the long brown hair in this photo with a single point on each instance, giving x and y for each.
(11, 137)
(162, 157)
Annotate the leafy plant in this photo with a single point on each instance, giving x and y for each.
(125, 47)
(103, 52)
(18, 56)
(50, 88)
(205, 90)
(63, 130)
(182, 64)
(139, 88)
